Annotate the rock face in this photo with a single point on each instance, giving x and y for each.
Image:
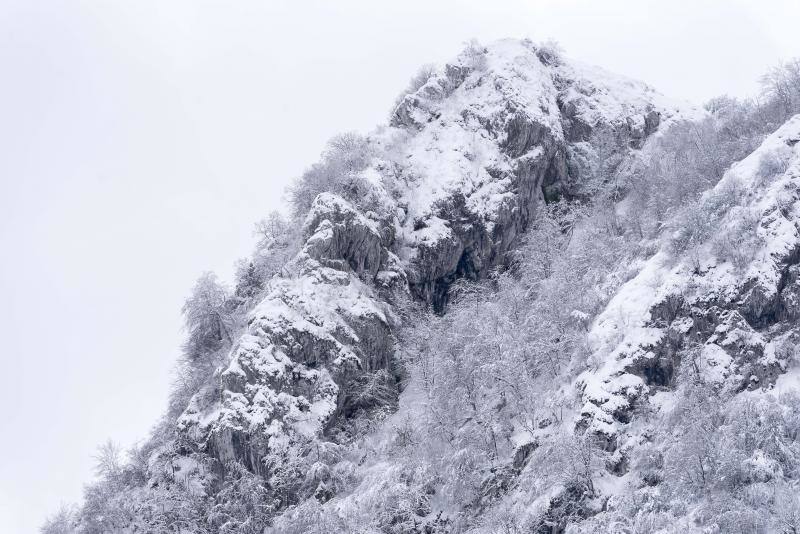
(733, 315)
(491, 131)
(316, 329)
(336, 232)
(462, 171)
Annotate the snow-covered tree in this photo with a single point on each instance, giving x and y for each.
(208, 317)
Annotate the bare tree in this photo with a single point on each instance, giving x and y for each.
(208, 317)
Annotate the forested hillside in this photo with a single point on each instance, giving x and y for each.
(542, 298)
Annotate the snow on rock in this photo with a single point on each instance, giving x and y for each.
(488, 131)
(460, 174)
(318, 326)
(592, 96)
(729, 308)
(337, 232)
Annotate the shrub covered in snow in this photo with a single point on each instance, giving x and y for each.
(339, 172)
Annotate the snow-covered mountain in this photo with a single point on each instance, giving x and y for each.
(491, 317)
(480, 143)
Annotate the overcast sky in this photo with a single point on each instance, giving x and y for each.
(140, 140)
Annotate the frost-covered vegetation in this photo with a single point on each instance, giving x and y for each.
(569, 308)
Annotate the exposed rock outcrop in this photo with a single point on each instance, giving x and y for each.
(493, 132)
(732, 317)
(479, 143)
(336, 232)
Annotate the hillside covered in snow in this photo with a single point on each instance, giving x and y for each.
(542, 298)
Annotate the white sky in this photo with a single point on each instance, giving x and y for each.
(139, 141)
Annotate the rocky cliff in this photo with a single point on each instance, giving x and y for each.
(729, 302)
(472, 155)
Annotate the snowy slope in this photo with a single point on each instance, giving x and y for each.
(727, 306)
